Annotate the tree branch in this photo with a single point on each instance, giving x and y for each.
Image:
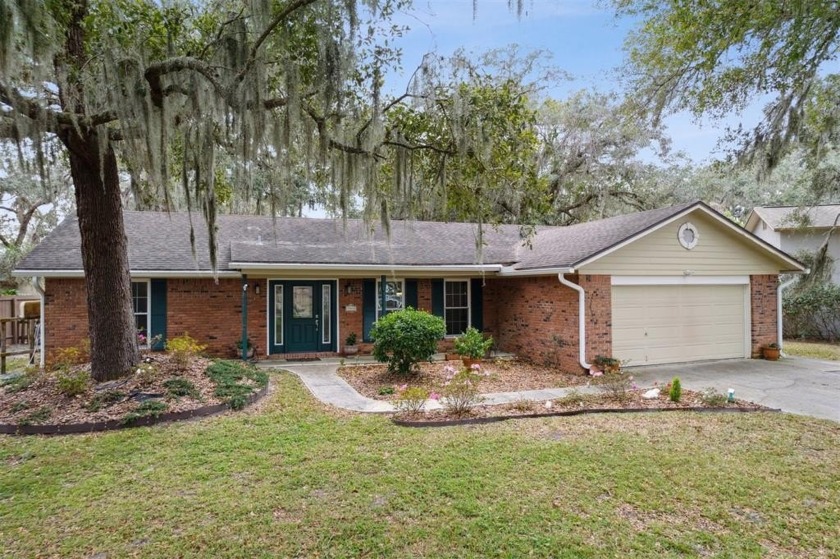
(154, 73)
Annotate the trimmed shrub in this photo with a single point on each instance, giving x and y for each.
(73, 383)
(676, 390)
(404, 338)
(236, 381)
(183, 348)
(812, 312)
(472, 344)
(411, 399)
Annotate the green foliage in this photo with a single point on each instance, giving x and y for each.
(40, 415)
(411, 399)
(20, 405)
(812, 312)
(615, 386)
(179, 387)
(73, 382)
(66, 357)
(404, 338)
(386, 390)
(236, 381)
(713, 398)
(459, 392)
(105, 399)
(351, 339)
(18, 383)
(607, 364)
(473, 344)
(183, 348)
(147, 373)
(675, 393)
(148, 408)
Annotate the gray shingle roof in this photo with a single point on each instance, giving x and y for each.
(160, 242)
(793, 217)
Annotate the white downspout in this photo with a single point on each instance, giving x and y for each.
(779, 315)
(36, 283)
(561, 277)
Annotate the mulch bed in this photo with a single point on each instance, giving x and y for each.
(576, 405)
(506, 375)
(40, 402)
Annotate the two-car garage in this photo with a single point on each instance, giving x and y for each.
(675, 321)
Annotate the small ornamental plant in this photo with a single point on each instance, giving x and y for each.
(459, 392)
(411, 399)
(607, 364)
(404, 338)
(183, 348)
(676, 390)
(473, 344)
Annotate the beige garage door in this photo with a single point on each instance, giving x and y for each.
(677, 323)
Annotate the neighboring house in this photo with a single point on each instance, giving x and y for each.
(794, 229)
(670, 285)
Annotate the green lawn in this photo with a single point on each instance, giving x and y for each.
(292, 479)
(813, 350)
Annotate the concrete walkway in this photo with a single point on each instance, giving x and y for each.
(322, 380)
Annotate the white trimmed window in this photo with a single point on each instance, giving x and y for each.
(394, 296)
(456, 306)
(140, 302)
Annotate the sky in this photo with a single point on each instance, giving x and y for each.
(584, 37)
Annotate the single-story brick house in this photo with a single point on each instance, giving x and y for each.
(670, 285)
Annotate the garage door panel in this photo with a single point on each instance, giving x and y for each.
(675, 323)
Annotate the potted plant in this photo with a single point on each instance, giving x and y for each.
(771, 352)
(472, 346)
(251, 348)
(350, 347)
(607, 364)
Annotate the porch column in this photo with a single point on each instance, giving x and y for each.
(244, 317)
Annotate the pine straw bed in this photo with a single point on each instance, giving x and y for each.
(506, 375)
(38, 399)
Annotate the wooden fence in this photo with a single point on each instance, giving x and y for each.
(25, 335)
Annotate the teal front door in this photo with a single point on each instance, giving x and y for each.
(302, 316)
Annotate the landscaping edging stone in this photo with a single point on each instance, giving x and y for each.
(114, 424)
(498, 418)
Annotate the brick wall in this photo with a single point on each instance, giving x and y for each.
(65, 313)
(537, 318)
(764, 311)
(212, 312)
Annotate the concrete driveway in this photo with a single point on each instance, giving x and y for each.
(796, 385)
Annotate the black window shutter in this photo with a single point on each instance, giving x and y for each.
(368, 307)
(158, 310)
(411, 293)
(477, 303)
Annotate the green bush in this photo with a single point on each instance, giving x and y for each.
(473, 344)
(411, 399)
(812, 312)
(183, 348)
(236, 381)
(178, 387)
(149, 408)
(73, 383)
(404, 338)
(711, 397)
(105, 399)
(676, 390)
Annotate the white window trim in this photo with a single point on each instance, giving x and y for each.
(273, 314)
(379, 293)
(326, 325)
(148, 313)
(688, 226)
(469, 302)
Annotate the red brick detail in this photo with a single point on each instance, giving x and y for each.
(763, 311)
(211, 312)
(537, 318)
(65, 313)
(350, 321)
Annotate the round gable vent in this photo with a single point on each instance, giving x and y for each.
(688, 235)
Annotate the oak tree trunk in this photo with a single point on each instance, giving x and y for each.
(93, 167)
(113, 339)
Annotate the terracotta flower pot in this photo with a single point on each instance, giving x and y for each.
(771, 353)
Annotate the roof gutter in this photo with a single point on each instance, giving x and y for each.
(366, 267)
(134, 273)
(581, 318)
(510, 271)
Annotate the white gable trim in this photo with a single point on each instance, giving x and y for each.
(766, 247)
